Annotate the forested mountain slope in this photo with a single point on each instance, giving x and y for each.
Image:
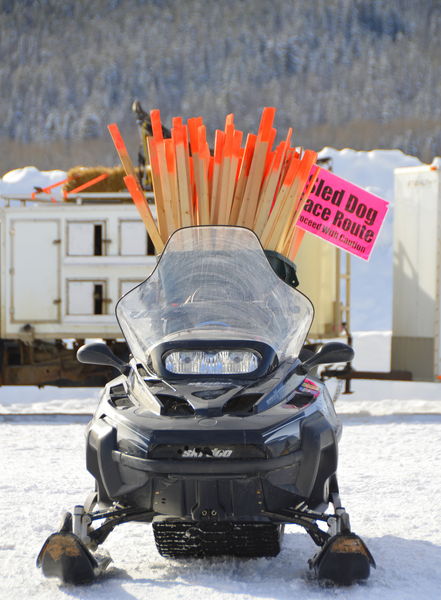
(356, 73)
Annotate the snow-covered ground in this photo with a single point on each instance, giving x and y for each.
(390, 479)
(23, 181)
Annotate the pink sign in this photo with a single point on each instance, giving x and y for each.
(343, 214)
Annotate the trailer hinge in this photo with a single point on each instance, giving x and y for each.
(107, 300)
(11, 271)
(107, 241)
(55, 242)
(57, 301)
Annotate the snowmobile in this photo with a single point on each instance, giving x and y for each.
(217, 431)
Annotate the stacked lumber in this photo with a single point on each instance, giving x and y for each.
(258, 185)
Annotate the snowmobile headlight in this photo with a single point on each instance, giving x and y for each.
(222, 362)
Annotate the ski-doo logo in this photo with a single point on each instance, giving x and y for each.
(206, 453)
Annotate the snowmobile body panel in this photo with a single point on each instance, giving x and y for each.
(241, 465)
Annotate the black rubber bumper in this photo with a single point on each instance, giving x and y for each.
(207, 467)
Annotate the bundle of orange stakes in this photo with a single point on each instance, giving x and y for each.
(256, 185)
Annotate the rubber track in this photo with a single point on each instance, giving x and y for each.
(180, 539)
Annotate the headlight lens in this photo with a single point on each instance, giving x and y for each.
(222, 362)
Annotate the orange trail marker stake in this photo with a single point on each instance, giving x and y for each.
(190, 177)
(224, 203)
(268, 237)
(219, 141)
(269, 189)
(86, 185)
(251, 194)
(155, 118)
(178, 136)
(144, 211)
(160, 187)
(164, 200)
(233, 176)
(229, 120)
(301, 192)
(172, 176)
(140, 202)
(121, 149)
(242, 179)
(201, 175)
(296, 241)
(293, 230)
(294, 203)
(47, 189)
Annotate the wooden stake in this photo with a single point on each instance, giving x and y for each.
(122, 150)
(219, 142)
(224, 183)
(135, 189)
(193, 125)
(158, 188)
(144, 211)
(83, 186)
(178, 136)
(300, 195)
(268, 237)
(172, 176)
(310, 179)
(269, 189)
(234, 173)
(201, 174)
(242, 179)
(295, 243)
(251, 194)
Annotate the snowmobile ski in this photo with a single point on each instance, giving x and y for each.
(343, 560)
(64, 556)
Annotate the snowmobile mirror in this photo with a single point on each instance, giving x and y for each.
(98, 353)
(333, 352)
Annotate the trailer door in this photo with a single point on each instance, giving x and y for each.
(35, 276)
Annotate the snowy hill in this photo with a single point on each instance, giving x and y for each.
(348, 72)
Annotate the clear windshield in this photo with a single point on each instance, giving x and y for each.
(214, 282)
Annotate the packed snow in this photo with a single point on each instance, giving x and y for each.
(389, 477)
(24, 181)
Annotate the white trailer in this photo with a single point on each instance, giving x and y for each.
(417, 269)
(64, 268)
(65, 265)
